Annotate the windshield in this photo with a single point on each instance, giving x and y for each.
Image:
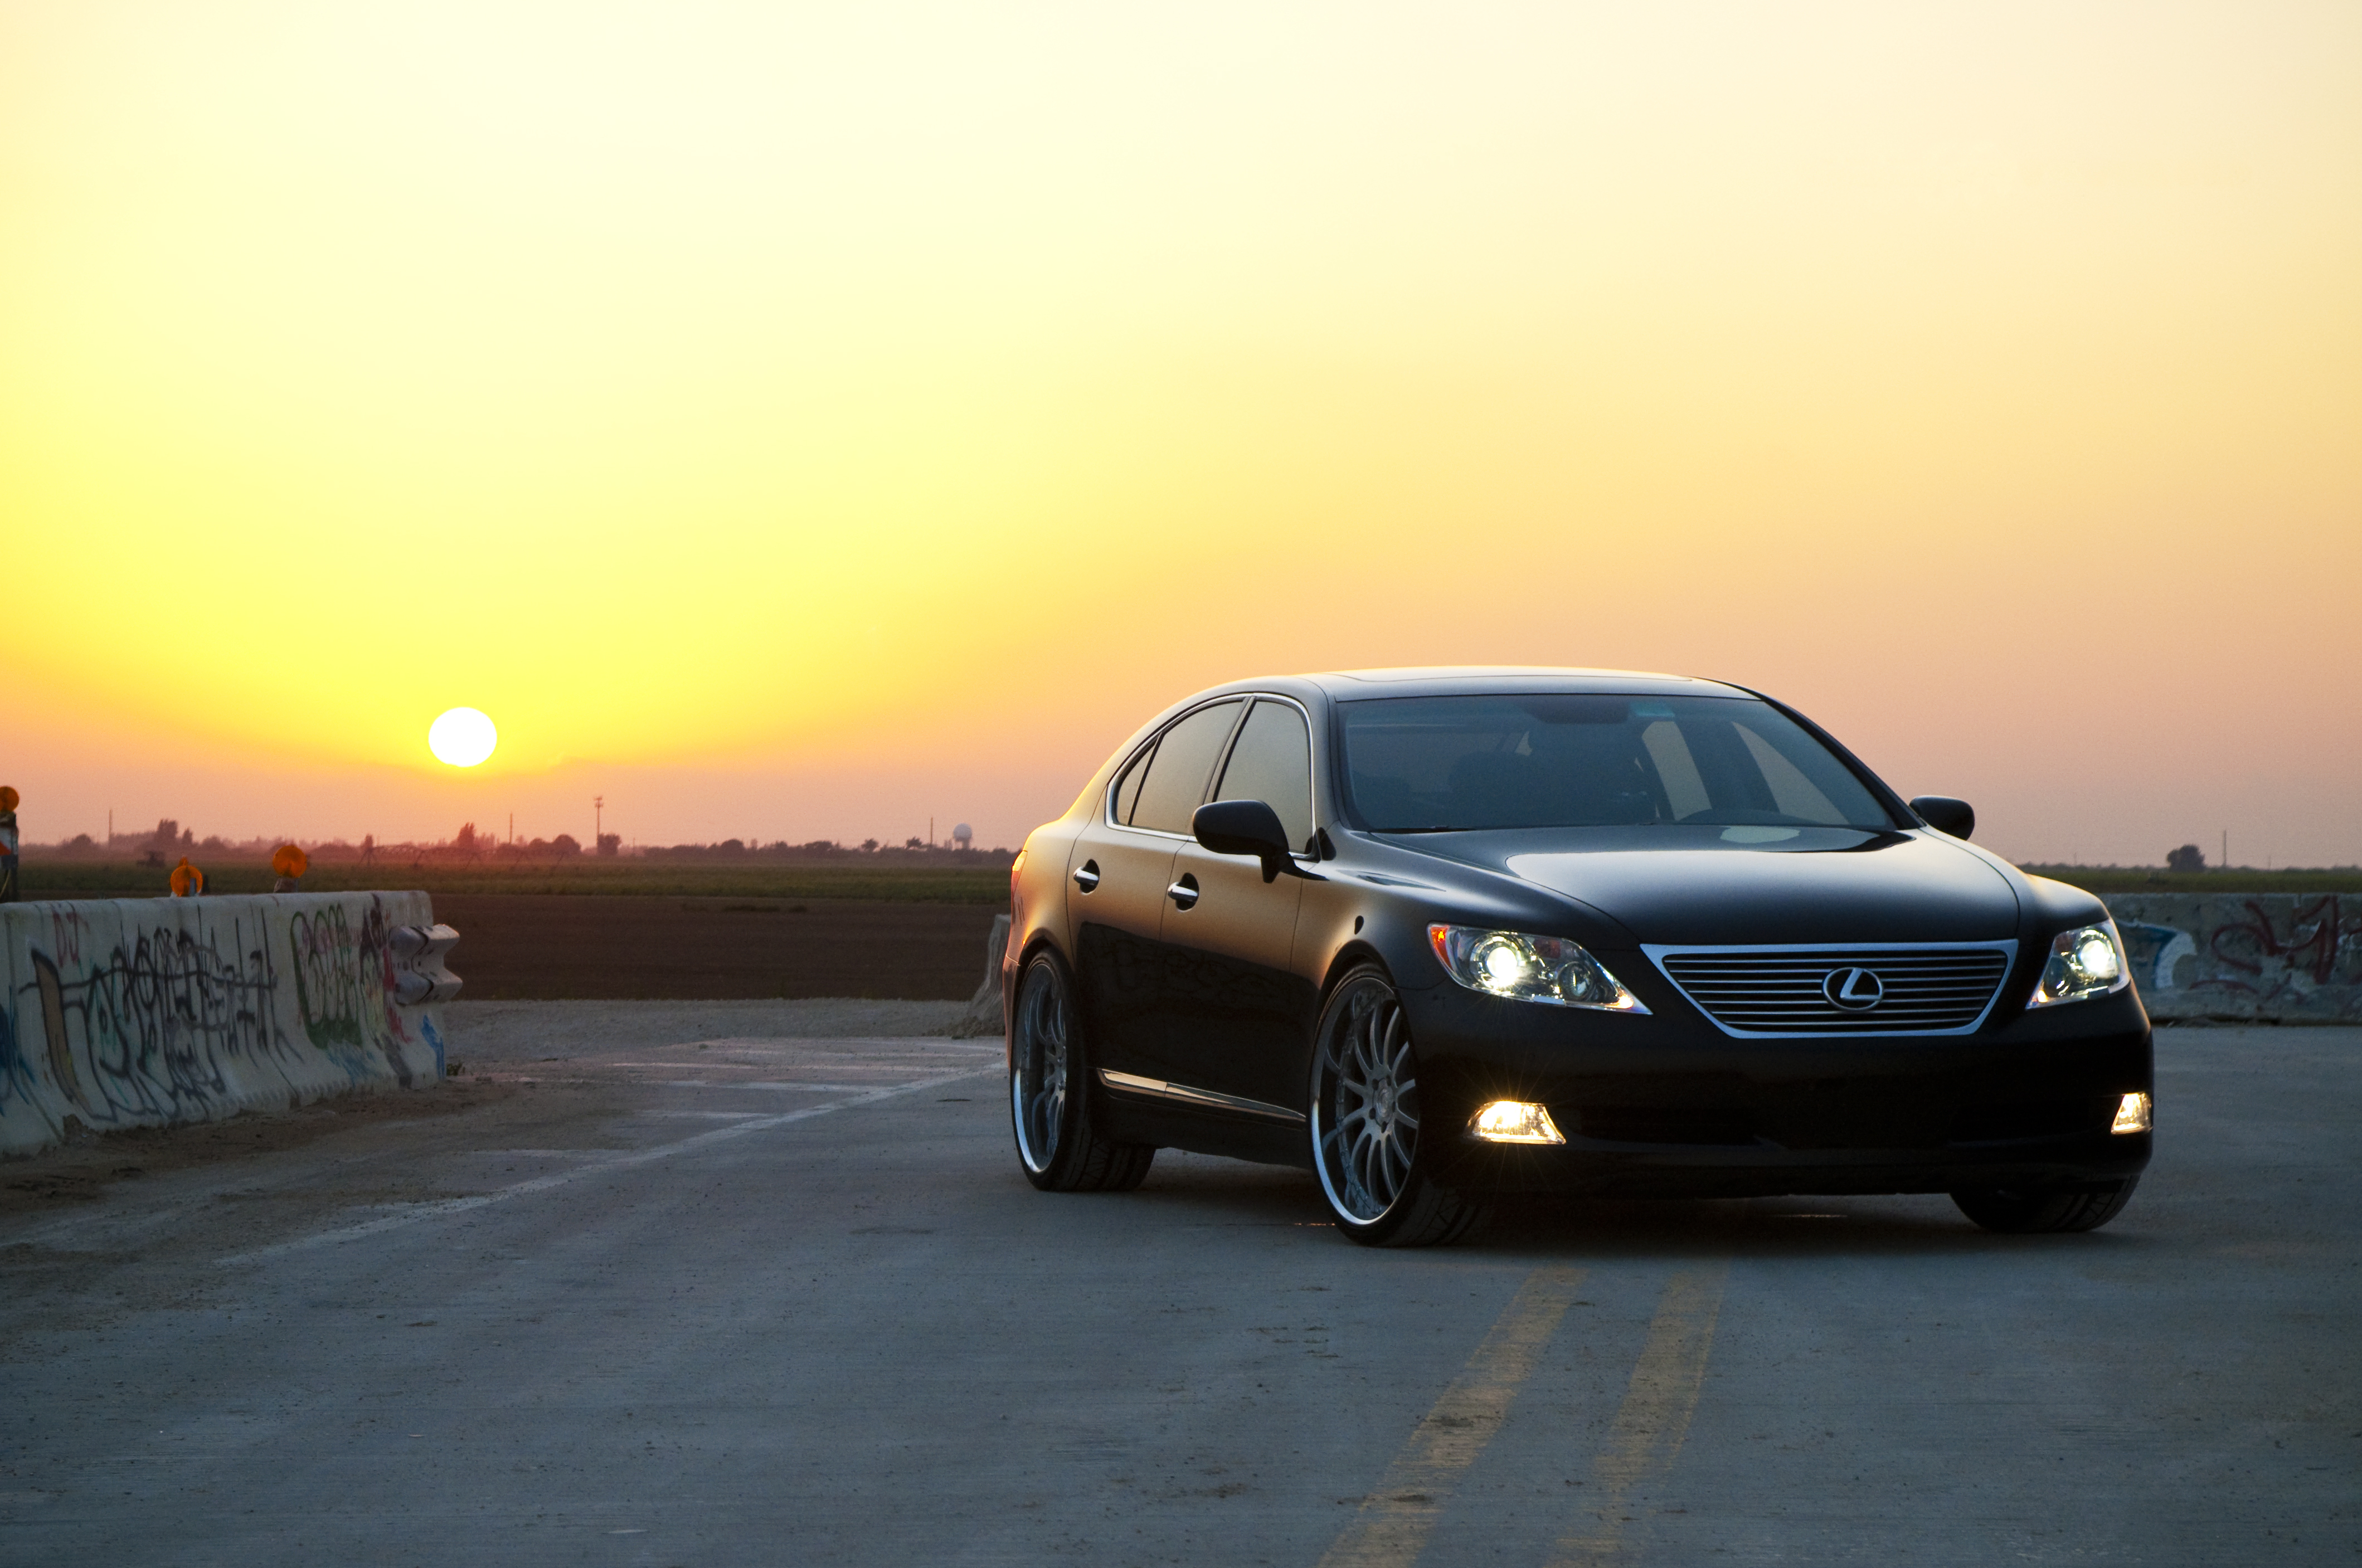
(1435, 764)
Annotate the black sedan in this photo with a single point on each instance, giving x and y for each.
(1440, 934)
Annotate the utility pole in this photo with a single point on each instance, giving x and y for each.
(597, 821)
(2226, 861)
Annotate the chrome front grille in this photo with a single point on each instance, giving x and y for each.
(1923, 988)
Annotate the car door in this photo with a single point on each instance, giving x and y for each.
(1120, 870)
(1241, 1020)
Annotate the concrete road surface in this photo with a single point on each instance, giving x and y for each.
(778, 1302)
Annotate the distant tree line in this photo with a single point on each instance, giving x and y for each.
(821, 849)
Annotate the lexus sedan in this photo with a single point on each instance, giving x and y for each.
(1440, 935)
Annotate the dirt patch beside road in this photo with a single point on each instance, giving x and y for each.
(80, 1170)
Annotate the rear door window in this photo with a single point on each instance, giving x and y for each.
(1177, 774)
(1127, 788)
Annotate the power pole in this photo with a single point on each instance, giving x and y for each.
(597, 821)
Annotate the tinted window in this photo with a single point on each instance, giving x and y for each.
(1436, 762)
(1177, 773)
(1273, 763)
(1127, 788)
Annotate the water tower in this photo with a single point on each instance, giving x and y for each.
(962, 837)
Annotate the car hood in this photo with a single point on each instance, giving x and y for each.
(1680, 883)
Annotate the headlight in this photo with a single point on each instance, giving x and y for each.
(2086, 961)
(1524, 967)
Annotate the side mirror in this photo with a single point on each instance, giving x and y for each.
(1945, 814)
(1243, 827)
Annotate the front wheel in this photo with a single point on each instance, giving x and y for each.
(1368, 1143)
(2034, 1210)
(1049, 1102)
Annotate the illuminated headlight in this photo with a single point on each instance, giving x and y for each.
(2132, 1114)
(2085, 963)
(1524, 967)
(1516, 1122)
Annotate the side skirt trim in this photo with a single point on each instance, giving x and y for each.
(1132, 1083)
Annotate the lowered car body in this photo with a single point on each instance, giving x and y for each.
(1440, 935)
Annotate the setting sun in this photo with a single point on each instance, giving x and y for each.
(462, 738)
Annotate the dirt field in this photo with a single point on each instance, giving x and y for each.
(543, 946)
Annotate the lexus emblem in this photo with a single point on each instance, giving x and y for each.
(1856, 990)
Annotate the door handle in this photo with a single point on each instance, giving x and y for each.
(1087, 874)
(1183, 893)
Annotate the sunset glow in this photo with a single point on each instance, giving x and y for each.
(773, 413)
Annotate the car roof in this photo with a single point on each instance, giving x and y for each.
(1460, 680)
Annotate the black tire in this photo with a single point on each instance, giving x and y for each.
(1049, 1097)
(2037, 1211)
(1368, 1148)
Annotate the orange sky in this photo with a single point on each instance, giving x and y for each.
(796, 420)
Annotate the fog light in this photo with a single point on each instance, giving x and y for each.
(1516, 1122)
(2132, 1114)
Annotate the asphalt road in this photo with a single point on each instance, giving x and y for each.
(790, 1302)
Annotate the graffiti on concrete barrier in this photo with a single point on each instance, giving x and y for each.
(2162, 958)
(155, 1024)
(2310, 948)
(344, 980)
(327, 992)
(134, 1013)
(2277, 956)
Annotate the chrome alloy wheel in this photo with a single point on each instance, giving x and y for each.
(1037, 1078)
(1365, 1103)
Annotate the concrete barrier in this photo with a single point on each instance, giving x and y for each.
(984, 1012)
(134, 1012)
(2260, 957)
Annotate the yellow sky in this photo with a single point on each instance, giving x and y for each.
(799, 412)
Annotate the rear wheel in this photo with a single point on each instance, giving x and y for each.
(2032, 1210)
(1049, 1102)
(1368, 1145)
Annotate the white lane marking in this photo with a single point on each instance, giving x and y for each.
(443, 1208)
(775, 1043)
(709, 1063)
(727, 1083)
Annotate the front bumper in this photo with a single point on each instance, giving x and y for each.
(1665, 1103)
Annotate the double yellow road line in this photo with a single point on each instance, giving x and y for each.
(1392, 1525)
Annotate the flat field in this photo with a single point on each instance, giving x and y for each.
(550, 946)
(910, 927)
